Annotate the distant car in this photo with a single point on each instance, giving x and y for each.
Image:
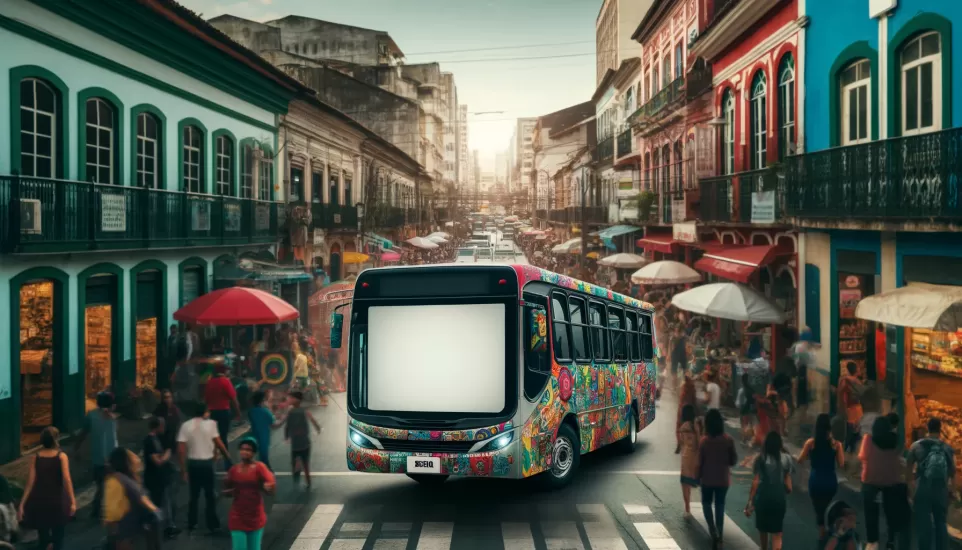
(466, 256)
(478, 243)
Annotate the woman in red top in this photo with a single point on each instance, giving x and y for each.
(245, 482)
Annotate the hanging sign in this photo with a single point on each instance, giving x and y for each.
(763, 207)
(200, 215)
(232, 217)
(685, 232)
(113, 212)
(262, 217)
(318, 237)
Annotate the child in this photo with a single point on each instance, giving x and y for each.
(841, 520)
(296, 430)
(262, 421)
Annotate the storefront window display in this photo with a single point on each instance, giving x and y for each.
(147, 352)
(856, 337)
(36, 360)
(97, 358)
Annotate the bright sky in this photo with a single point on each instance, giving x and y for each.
(523, 86)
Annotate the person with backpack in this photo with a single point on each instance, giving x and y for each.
(934, 463)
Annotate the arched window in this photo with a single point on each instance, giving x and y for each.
(247, 172)
(655, 82)
(728, 132)
(678, 166)
(38, 126)
(666, 167)
(786, 107)
(655, 162)
(148, 150)
(224, 166)
(922, 84)
(193, 144)
(856, 101)
(99, 141)
(759, 120)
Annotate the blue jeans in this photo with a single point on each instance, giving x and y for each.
(716, 523)
(246, 540)
(930, 520)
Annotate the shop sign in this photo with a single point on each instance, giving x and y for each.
(113, 212)
(763, 207)
(318, 237)
(626, 184)
(685, 232)
(262, 217)
(678, 210)
(200, 215)
(232, 217)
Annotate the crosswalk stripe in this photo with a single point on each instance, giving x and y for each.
(600, 527)
(637, 509)
(517, 536)
(561, 535)
(318, 526)
(435, 536)
(656, 537)
(733, 534)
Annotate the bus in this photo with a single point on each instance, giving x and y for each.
(492, 370)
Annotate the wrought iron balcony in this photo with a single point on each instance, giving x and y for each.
(605, 150)
(334, 216)
(626, 144)
(559, 215)
(900, 179)
(592, 214)
(721, 195)
(668, 96)
(40, 215)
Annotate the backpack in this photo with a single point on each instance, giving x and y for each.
(934, 468)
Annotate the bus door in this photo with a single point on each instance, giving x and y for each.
(536, 373)
(619, 392)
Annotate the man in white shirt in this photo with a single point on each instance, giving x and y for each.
(712, 392)
(197, 441)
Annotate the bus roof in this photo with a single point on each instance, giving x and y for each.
(528, 273)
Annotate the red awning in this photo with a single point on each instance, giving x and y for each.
(653, 243)
(738, 263)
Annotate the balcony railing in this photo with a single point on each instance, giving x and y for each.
(40, 215)
(720, 195)
(605, 150)
(626, 144)
(334, 216)
(668, 95)
(907, 178)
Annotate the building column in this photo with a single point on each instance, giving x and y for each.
(883, 80)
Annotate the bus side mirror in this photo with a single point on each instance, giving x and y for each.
(538, 319)
(337, 324)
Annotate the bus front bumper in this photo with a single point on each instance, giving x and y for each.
(503, 462)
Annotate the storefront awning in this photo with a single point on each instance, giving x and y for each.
(251, 270)
(378, 240)
(666, 244)
(918, 305)
(738, 263)
(615, 231)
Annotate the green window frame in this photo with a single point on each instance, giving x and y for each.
(60, 154)
(192, 156)
(84, 146)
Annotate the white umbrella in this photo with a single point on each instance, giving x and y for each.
(733, 301)
(441, 234)
(421, 242)
(437, 239)
(665, 272)
(623, 261)
(568, 247)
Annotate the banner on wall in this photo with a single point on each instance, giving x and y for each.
(763, 207)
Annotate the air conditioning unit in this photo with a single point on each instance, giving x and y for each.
(30, 216)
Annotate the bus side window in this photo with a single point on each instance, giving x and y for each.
(634, 342)
(537, 363)
(599, 331)
(559, 327)
(579, 329)
(616, 324)
(647, 344)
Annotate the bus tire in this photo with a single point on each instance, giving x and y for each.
(428, 479)
(565, 457)
(627, 443)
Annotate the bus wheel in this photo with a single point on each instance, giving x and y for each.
(428, 479)
(627, 443)
(565, 457)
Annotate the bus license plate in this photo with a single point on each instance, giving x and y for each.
(424, 465)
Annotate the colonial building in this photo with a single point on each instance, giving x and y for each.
(135, 161)
(876, 193)
(557, 137)
(616, 157)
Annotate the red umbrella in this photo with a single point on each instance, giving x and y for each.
(236, 306)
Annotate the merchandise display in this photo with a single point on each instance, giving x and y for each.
(939, 352)
(97, 363)
(147, 352)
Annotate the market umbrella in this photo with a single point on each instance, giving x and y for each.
(236, 306)
(733, 301)
(918, 305)
(437, 239)
(441, 234)
(354, 258)
(390, 257)
(623, 261)
(665, 272)
(421, 242)
(568, 247)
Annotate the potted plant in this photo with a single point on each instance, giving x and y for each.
(643, 201)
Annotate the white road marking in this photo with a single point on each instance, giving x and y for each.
(351, 536)
(435, 536)
(733, 534)
(517, 536)
(637, 510)
(561, 535)
(656, 537)
(318, 526)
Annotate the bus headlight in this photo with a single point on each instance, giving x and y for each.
(498, 443)
(360, 439)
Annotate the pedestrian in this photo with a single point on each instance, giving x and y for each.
(745, 401)
(679, 354)
(934, 462)
(173, 418)
(849, 405)
(826, 454)
(297, 432)
(771, 485)
(712, 399)
(100, 426)
(9, 518)
(185, 380)
(803, 352)
(842, 522)
(882, 472)
(245, 482)
(262, 421)
(48, 500)
(197, 442)
(220, 396)
(157, 471)
(685, 397)
(129, 515)
(302, 373)
(170, 355)
(689, 436)
(716, 456)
